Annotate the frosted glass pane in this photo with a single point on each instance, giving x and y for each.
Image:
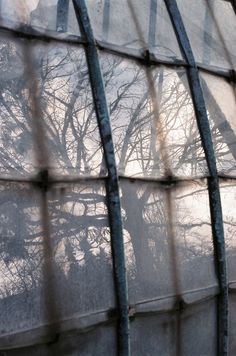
(66, 110)
(153, 121)
(194, 243)
(167, 239)
(81, 235)
(97, 342)
(40, 14)
(191, 331)
(211, 28)
(70, 121)
(16, 141)
(21, 255)
(228, 199)
(52, 264)
(220, 97)
(140, 25)
(148, 257)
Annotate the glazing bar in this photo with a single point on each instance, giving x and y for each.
(112, 182)
(30, 33)
(213, 180)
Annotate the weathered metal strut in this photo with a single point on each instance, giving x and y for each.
(113, 197)
(213, 180)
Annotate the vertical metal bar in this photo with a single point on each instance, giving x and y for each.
(106, 20)
(213, 181)
(62, 15)
(112, 185)
(152, 23)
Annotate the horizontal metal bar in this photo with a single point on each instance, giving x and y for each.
(83, 180)
(163, 180)
(30, 33)
(140, 57)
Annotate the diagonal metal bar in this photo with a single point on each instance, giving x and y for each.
(114, 207)
(213, 180)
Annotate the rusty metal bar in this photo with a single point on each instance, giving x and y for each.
(213, 180)
(113, 197)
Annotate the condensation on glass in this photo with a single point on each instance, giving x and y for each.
(58, 294)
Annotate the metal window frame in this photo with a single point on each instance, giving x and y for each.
(106, 135)
(213, 180)
(113, 197)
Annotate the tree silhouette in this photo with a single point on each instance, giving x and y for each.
(147, 142)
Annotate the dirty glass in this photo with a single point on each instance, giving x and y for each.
(228, 196)
(65, 107)
(41, 15)
(175, 332)
(49, 253)
(161, 228)
(154, 126)
(109, 206)
(136, 25)
(87, 344)
(220, 97)
(211, 28)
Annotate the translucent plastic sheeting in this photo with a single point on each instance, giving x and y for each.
(228, 198)
(65, 109)
(211, 28)
(220, 97)
(137, 25)
(154, 126)
(187, 332)
(54, 254)
(167, 237)
(97, 342)
(40, 14)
